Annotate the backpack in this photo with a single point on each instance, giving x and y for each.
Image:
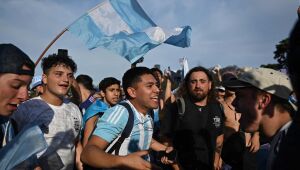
(125, 134)
(181, 106)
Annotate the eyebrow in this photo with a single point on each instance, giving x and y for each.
(19, 80)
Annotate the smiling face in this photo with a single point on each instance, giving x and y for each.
(145, 93)
(58, 81)
(13, 91)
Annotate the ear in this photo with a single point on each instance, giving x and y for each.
(44, 79)
(209, 85)
(264, 100)
(102, 93)
(132, 92)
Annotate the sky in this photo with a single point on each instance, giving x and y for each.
(224, 32)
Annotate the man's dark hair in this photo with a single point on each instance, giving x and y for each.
(61, 58)
(133, 76)
(183, 89)
(86, 81)
(108, 81)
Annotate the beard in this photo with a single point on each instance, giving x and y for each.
(198, 97)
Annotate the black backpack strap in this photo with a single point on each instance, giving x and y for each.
(126, 132)
(180, 106)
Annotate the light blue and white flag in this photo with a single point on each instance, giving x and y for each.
(122, 26)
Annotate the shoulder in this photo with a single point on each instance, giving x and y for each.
(32, 105)
(116, 114)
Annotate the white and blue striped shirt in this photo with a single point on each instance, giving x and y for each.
(111, 125)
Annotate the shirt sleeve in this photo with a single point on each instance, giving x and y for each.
(112, 123)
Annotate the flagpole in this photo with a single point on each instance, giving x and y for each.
(52, 42)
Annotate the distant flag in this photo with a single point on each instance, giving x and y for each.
(122, 26)
(184, 65)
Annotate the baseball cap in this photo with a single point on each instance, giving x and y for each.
(12, 60)
(36, 81)
(220, 88)
(268, 80)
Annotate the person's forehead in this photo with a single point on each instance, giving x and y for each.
(114, 86)
(245, 90)
(61, 67)
(198, 74)
(147, 78)
(6, 77)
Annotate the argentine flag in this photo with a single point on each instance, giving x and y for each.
(123, 27)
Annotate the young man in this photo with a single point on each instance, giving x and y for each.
(59, 119)
(36, 86)
(142, 92)
(196, 132)
(110, 91)
(16, 72)
(262, 96)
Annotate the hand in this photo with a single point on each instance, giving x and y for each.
(218, 166)
(254, 142)
(79, 165)
(97, 95)
(136, 162)
(165, 159)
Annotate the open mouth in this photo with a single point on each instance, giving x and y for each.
(155, 99)
(65, 86)
(13, 106)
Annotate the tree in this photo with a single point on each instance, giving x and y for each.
(281, 53)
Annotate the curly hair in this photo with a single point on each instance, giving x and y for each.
(58, 59)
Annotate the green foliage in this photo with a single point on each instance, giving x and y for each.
(281, 54)
(272, 66)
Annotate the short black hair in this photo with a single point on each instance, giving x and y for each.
(108, 81)
(86, 81)
(58, 59)
(132, 76)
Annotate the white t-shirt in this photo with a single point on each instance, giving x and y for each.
(61, 126)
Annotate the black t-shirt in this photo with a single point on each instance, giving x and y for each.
(194, 134)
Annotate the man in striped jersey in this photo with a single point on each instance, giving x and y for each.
(141, 92)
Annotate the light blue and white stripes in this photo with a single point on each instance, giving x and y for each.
(122, 26)
(112, 123)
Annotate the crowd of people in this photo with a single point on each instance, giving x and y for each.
(250, 120)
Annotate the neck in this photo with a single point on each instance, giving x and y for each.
(279, 118)
(203, 102)
(139, 108)
(85, 94)
(52, 99)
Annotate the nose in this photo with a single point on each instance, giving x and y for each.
(67, 78)
(22, 94)
(116, 93)
(198, 84)
(156, 89)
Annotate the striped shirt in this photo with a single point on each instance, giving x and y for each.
(111, 125)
